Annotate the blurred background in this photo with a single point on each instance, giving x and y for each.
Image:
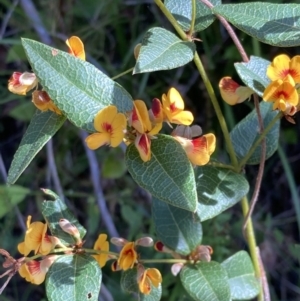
(110, 30)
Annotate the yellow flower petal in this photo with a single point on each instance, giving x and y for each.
(143, 145)
(143, 115)
(184, 117)
(175, 101)
(76, 47)
(295, 68)
(155, 276)
(103, 245)
(279, 68)
(128, 256)
(104, 118)
(232, 93)
(119, 126)
(97, 140)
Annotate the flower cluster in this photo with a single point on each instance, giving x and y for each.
(21, 83)
(38, 241)
(284, 74)
(129, 258)
(140, 126)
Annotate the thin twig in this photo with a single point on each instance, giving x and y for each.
(261, 169)
(7, 17)
(230, 31)
(264, 280)
(53, 169)
(16, 208)
(95, 177)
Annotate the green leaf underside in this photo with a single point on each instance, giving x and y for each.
(53, 211)
(218, 189)
(246, 132)
(206, 281)
(178, 229)
(254, 74)
(242, 281)
(168, 176)
(129, 284)
(182, 12)
(42, 127)
(162, 50)
(74, 278)
(274, 24)
(11, 196)
(78, 88)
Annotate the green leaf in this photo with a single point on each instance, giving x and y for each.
(254, 74)
(178, 229)
(206, 281)
(78, 88)
(168, 176)
(129, 284)
(242, 281)
(42, 127)
(274, 24)
(218, 189)
(162, 50)
(53, 211)
(182, 12)
(11, 196)
(74, 278)
(244, 134)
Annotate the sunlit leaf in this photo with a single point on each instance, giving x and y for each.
(274, 24)
(168, 176)
(163, 50)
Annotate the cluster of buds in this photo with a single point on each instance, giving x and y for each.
(21, 83)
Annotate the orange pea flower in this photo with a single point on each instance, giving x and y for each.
(35, 271)
(44, 103)
(36, 239)
(110, 126)
(20, 83)
(282, 93)
(282, 66)
(128, 256)
(76, 47)
(198, 149)
(173, 107)
(232, 92)
(139, 119)
(148, 277)
(101, 244)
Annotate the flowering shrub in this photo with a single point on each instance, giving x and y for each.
(166, 155)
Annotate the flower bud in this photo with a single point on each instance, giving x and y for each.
(70, 229)
(118, 241)
(20, 83)
(176, 268)
(160, 247)
(144, 242)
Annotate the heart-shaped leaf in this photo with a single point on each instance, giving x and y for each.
(274, 24)
(218, 189)
(254, 74)
(178, 229)
(182, 12)
(242, 281)
(244, 134)
(206, 281)
(74, 278)
(162, 50)
(168, 176)
(53, 211)
(78, 88)
(42, 127)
